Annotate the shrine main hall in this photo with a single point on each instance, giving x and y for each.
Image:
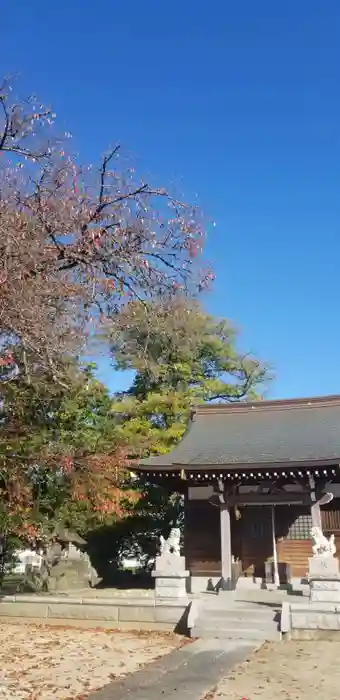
(256, 477)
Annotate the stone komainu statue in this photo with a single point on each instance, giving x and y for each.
(321, 546)
(172, 544)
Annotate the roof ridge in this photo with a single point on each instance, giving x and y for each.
(272, 404)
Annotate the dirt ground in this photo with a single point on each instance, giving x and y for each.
(286, 671)
(56, 663)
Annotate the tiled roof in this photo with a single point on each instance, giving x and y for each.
(289, 431)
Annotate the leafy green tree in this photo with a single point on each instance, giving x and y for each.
(60, 459)
(182, 357)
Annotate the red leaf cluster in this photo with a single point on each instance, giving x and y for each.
(76, 243)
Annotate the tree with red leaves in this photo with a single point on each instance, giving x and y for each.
(60, 460)
(77, 242)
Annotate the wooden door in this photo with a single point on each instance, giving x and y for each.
(256, 539)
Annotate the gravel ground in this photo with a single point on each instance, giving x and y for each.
(286, 671)
(59, 663)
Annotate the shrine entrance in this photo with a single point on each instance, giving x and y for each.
(254, 540)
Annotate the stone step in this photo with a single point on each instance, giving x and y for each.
(251, 634)
(240, 613)
(239, 623)
(223, 602)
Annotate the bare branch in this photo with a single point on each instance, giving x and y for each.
(77, 244)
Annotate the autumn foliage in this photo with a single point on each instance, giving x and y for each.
(60, 460)
(77, 242)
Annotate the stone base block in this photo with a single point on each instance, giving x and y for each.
(170, 576)
(170, 586)
(325, 590)
(166, 581)
(169, 562)
(321, 596)
(170, 592)
(332, 584)
(323, 567)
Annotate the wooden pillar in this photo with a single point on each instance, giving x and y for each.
(275, 562)
(315, 507)
(316, 515)
(226, 560)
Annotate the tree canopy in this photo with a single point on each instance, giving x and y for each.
(182, 357)
(60, 461)
(77, 242)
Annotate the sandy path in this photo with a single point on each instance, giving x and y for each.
(286, 671)
(55, 663)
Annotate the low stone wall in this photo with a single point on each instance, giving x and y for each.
(310, 620)
(139, 613)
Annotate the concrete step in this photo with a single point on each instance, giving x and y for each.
(251, 634)
(239, 613)
(222, 602)
(237, 623)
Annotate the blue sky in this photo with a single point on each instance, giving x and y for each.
(238, 102)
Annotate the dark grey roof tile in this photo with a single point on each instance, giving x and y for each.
(258, 436)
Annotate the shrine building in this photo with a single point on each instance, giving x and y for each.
(256, 477)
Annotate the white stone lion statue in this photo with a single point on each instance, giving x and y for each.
(172, 544)
(321, 546)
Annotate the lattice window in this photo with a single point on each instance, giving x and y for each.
(256, 523)
(331, 518)
(300, 528)
(257, 530)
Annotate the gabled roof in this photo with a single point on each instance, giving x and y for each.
(261, 433)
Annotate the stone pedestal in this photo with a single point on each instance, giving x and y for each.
(324, 580)
(319, 618)
(170, 576)
(323, 567)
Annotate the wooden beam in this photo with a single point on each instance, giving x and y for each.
(259, 499)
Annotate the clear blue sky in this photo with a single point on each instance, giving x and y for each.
(238, 102)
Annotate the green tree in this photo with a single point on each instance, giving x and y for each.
(182, 357)
(60, 459)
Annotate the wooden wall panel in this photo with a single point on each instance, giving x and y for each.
(202, 543)
(295, 553)
(256, 551)
(251, 538)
